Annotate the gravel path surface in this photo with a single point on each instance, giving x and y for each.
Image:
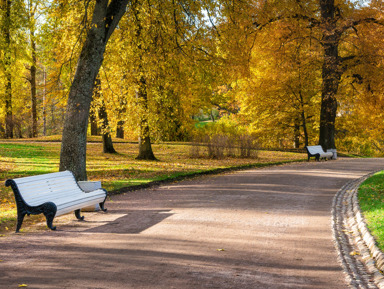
(260, 228)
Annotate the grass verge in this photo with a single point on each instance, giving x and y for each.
(117, 172)
(371, 200)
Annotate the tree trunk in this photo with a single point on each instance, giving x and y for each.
(120, 129)
(73, 149)
(9, 124)
(31, 20)
(303, 118)
(44, 104)
(103, 116)
(304, 124)
(296, 130)
(145, 147)
(93, 121)
(93, 110)
(33, 87)
(331, 74)
(121, 122)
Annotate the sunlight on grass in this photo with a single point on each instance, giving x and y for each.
(371, 200)
(115, 171)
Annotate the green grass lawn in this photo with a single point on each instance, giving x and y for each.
(371, 199)
(32, 157)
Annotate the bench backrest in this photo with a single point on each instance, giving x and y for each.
(315, 149)
(36, 190)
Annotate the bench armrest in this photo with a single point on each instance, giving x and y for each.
(89, 186)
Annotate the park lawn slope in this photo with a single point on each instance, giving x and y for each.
(371, 200)
(115, 171)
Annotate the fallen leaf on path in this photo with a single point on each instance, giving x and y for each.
(220, 250)
(354, 253)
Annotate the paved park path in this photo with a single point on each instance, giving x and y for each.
(260, 228)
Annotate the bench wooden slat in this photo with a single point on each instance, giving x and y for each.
(72, 205)
(44, 177)
(34, 200)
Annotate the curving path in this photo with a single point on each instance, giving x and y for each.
(260, 228)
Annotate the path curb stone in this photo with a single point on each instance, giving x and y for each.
(361, 259)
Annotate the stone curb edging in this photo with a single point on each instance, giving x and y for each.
(361, 259)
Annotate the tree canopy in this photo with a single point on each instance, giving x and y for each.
(292, 73)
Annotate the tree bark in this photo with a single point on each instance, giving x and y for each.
(73, 149)
(331, 74)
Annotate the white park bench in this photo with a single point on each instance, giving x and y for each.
(318, 153)
(53, 195)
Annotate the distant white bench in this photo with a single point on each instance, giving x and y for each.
(53, 195)
(318, 153)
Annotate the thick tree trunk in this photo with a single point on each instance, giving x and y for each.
(145, 149)
(108, 144)
(74, 140)
(331, 74)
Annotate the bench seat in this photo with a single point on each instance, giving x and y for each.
(318, 153)
(53, 195)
